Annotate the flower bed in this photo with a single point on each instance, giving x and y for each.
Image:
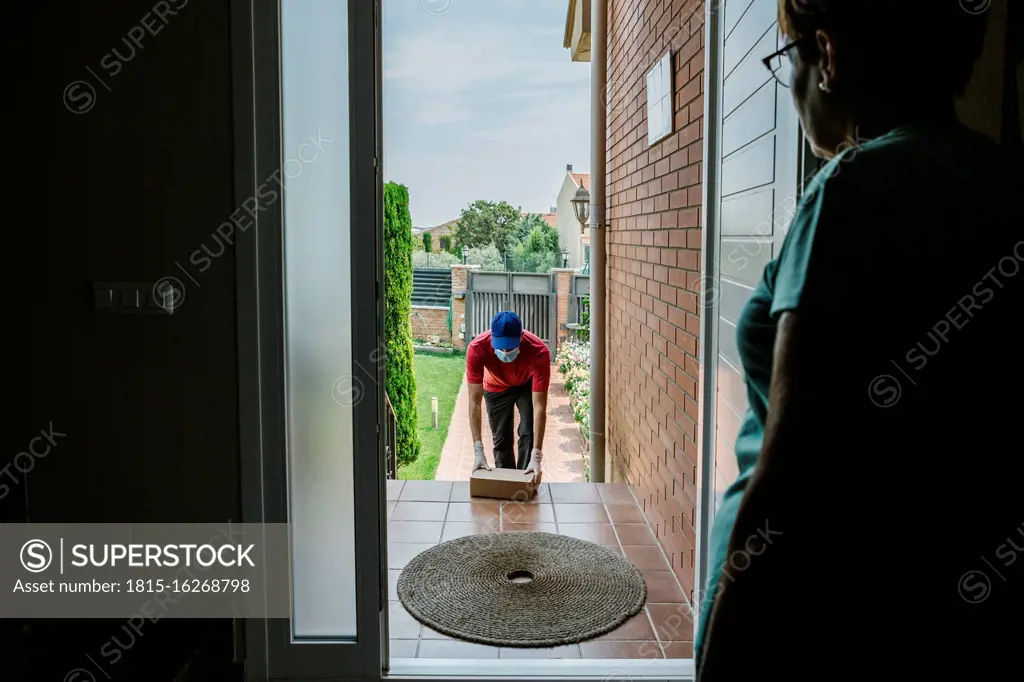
(573, 361)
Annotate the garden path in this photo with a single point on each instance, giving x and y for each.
(563, 446)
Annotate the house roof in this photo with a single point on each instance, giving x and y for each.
(570, 18)
(581, 179)
(550, 218)
(581, 50)
(441, 230)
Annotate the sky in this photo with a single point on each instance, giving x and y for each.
(481, 101)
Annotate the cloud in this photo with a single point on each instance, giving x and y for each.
(483, 102)
(453, 75)
(441, 110)
(537, 114)
(457, 63)
(549, 32)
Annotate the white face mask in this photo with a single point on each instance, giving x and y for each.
(507, 355)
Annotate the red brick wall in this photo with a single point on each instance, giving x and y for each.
(654, 210)
(562, 285)
(460, 280)
(429, 322)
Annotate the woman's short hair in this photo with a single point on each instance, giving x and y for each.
(929, 46)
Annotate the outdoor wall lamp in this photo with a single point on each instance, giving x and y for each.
(565, 256)
(581, 207)
(465, 256)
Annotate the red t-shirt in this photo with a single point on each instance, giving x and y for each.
(483, 366)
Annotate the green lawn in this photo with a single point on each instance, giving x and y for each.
(440, 376)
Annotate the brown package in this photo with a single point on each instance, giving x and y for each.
(505, 484)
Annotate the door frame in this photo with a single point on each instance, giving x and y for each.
(709, 271)
(271, 650)
(796, 171)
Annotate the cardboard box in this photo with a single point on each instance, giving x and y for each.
(505, 484)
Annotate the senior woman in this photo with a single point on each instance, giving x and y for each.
(880, 459)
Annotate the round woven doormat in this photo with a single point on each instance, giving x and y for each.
(521, 589)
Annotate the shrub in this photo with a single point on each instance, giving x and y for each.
(533, 246)
(571, 354)
(398, 257)
(584, 333)
(573, 361)
(439, 259)
(428, 242)
(577, 379)
(487, 257)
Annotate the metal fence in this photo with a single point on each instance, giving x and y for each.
(579, 297)
(528, 294)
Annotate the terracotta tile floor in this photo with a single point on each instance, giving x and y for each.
(424, 513)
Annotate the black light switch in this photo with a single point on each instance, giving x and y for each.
(130, 298)
(127, 298)
(103, 298)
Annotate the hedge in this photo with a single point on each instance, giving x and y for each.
(401, 380)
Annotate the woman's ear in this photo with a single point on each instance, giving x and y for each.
(826, 60)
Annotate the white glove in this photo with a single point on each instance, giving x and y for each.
(536, 457)
(479, 458)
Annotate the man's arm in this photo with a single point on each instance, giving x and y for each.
(541, 382)
(475, 381)
(476, 396)
(540, 417)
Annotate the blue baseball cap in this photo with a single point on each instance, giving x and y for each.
(506, 330)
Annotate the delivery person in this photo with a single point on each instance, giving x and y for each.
(511, 369)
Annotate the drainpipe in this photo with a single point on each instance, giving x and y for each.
(598, 225)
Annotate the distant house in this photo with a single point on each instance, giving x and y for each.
(551, 218)
(575, 241)
(436, 232)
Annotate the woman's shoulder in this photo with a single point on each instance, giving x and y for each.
(947, 161)
(878, 202)
(913, 182)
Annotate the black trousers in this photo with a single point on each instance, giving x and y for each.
(501, 414)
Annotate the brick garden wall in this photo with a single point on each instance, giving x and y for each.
(460, 280)
(427, 321)
(654, 210)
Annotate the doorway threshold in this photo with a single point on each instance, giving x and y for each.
(516, 670)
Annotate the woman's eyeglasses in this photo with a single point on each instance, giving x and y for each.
(780, 63)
